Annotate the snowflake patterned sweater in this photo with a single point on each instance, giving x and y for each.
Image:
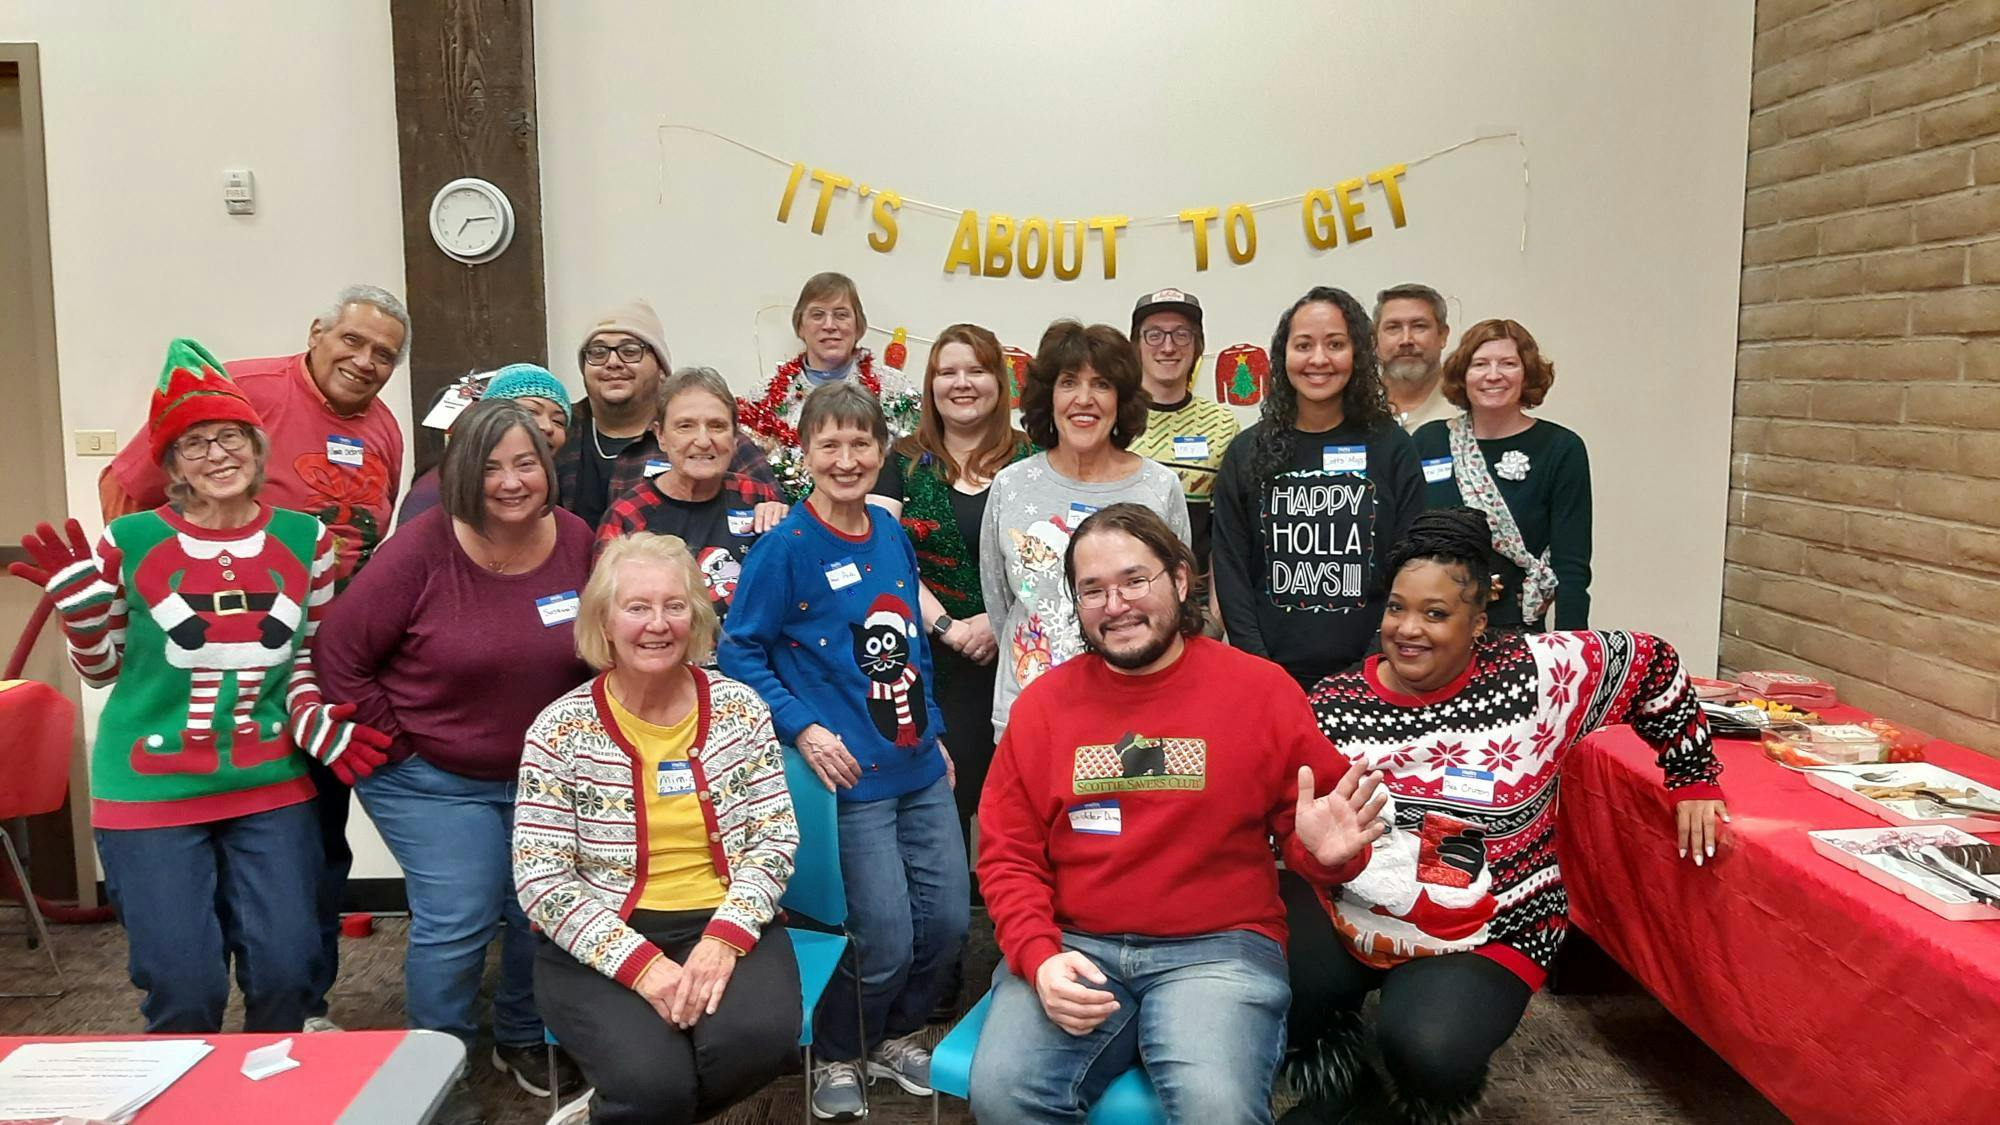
(1471, 863)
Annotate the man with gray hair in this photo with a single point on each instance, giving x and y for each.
(1410, 333)
(336, 452)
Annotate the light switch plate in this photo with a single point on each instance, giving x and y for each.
(96, 443)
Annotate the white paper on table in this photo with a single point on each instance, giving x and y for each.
(263, 1062)
(104, 1081)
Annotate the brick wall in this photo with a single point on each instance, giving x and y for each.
(1864, 530)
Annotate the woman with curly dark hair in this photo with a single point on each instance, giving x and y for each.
(1082, 405)
(1310, 498)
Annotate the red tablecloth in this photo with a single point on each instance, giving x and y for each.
(332, 1069)
(1838, 999)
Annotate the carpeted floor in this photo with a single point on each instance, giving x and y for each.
(1607, 1056)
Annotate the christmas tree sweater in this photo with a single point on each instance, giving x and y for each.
(1470, 865)
(208, 651)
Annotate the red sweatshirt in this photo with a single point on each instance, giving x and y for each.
(1145, 804)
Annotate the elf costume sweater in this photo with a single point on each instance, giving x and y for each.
(196, 614)
(1470, 865)
(824, 629)
(1122, 804)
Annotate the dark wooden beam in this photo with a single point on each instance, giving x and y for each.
(465, 106)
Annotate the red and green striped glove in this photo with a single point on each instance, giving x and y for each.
(351, 750)
(74, 581)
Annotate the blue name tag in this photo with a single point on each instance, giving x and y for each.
(1437, 470)
(1078, 512)
(741, 520)
(1474, 786)
(656, 466)
(557, 608)
(1097, 818)
(343, 450)
(842, 573)
(674, 779)
(1344, 459)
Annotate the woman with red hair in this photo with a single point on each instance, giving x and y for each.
(1529, 475)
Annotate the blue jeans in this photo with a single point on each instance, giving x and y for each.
(1205, 1015)
(453, 837)
(191, 895)
(908, 904)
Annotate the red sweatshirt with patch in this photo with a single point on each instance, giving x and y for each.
(1147, 805)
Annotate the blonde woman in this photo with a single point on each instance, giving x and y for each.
(652, 841)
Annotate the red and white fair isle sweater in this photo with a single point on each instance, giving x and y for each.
(580, 823)
(1471, 863)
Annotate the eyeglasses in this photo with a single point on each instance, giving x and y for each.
(195, 448)
(1154, 337)
(1132, 589)
(818, 315)
(631, 351)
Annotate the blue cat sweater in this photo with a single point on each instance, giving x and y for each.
(826, 628)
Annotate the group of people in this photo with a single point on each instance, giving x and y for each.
(1119, 652)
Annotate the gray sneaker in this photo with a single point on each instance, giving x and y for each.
(903, 1062)
(836, 1092)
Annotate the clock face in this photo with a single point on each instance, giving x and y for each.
(471, 220)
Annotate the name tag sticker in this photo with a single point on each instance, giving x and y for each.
(1097, 818)
(557, 608)
(1475, 786)
(842, 573)
(656, 466)
(1344, 459)
(1437, 470)
(1191, 448)
(1078, 512)
(741, 520)
(343, 450)
(673, 779)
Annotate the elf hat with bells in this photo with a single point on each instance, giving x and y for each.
(193, 389)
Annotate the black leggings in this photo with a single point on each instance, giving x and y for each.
(965, 697)
(646, 1069)
(1440, 1020)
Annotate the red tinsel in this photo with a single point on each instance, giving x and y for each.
(762, 416)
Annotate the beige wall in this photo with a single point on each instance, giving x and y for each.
(145, 105)
(1864, 540)
(1633, 116)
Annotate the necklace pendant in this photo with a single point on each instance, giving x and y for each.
(1513, 465)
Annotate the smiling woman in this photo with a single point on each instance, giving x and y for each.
(458, 702)
(719, 513)
(1084, 403)
(1310, 499)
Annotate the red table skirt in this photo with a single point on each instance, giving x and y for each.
(1838, 999)
(332, 1069)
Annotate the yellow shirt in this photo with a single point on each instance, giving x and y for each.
(680, 875)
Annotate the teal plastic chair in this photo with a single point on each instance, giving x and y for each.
(815, 891)
(1129, 1100)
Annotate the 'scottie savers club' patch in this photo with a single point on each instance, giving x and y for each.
(1137, 762)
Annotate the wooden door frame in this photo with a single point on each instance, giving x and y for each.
(25, 60)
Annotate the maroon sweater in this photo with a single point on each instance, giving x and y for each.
(452, 661)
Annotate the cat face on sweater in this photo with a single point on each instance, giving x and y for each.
(882, 651)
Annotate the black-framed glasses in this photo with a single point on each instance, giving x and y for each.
(631, 351)
(193, 448)
(1154, 337)
(1132, 589)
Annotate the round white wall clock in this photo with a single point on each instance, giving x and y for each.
(471, 220)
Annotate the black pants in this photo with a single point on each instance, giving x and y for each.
(1440, 1020)
(331, 803)
(646, 1069)
(965, 696)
